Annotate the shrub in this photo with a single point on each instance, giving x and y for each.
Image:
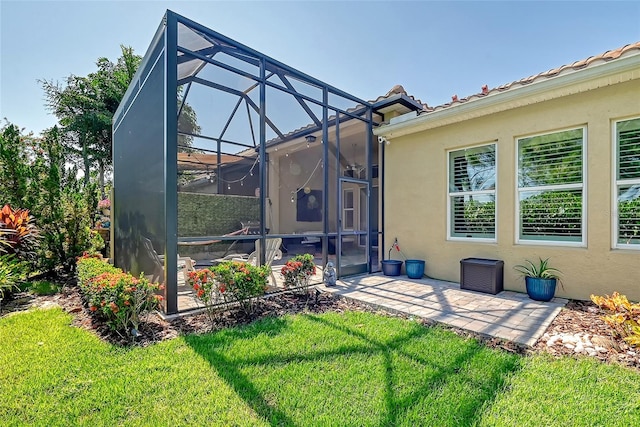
(298, 270)
(207, 290)
(116, 297)
(35, 175)
(241, 282)
(90, 266)
(12, 273)
(623, 317)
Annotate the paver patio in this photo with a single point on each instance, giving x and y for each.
(509, 315)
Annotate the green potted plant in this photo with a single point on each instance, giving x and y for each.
(540, 279)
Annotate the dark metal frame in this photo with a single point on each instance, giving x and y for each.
(174, 55)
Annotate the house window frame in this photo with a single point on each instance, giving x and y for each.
(582, 185)
(349, 210)
(450, 194)
(616, 184)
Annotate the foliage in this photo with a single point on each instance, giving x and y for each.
(60, 202)
(14, 165)
(64, 207)
(90, 266)
(85, 107)
(623, 316)
(551, 159)
(241, 283)
(43, 287)
(552, 213)
(540, 270)
(208, 291)
(479, 217)
(116, 297)
(298, 270)
(12, 272)
(21, 234)
(628, 220)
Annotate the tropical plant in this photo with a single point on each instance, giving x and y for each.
(85, 107)
(51, 191)
(241, 282)
(622, 316)
(540, 270)
(20, 233)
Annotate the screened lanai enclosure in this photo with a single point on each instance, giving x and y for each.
(220, 150)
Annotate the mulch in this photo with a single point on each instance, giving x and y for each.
(578, 317)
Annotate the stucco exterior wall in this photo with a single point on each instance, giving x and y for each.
(415, 188)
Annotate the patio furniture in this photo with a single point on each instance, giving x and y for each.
(194, 242)
(272, 252)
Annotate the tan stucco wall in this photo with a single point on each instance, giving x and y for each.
(415, 189)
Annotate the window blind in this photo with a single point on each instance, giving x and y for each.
(628, 182)
(472, 183)
(550, 187)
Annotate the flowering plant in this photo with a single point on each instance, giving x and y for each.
(104, 204)
(241, 283)
(118, 298)
(298, 270)
(208, 292)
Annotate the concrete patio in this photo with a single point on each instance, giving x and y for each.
(509, 315)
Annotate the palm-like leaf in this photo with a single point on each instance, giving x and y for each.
(540, 270)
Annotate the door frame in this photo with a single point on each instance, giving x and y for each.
(356, 233)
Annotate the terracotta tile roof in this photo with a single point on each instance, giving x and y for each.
(396, 90)
(578, 65)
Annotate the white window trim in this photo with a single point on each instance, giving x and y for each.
(493, 239)
(351, 209)
(583, 185)
(614, 190)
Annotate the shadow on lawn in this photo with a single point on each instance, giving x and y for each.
(213, 349)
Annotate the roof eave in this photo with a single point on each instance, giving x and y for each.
(411, 122)
(398, 100)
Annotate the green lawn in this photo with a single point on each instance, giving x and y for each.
(354, 368)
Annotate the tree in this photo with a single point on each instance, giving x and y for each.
(85, 107)
(14, 165)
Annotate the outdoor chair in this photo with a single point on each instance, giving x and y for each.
(185, 265)
(272, 252)
(241, 232)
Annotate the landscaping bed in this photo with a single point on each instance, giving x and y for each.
(578, 319)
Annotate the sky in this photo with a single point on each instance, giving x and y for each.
(433, 49)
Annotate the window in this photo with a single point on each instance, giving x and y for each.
(348, 208)
(472, 193)
(550, 188)
(627, 179)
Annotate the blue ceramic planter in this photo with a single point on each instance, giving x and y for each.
(540, 289)
(415, 268)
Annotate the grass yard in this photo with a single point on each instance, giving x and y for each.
(353, 368)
